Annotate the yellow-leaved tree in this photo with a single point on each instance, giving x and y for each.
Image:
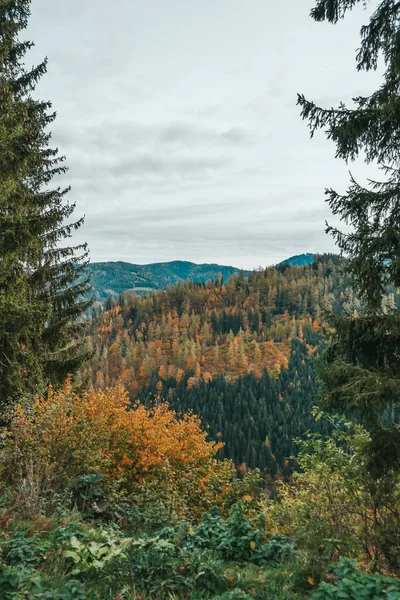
(66, 435)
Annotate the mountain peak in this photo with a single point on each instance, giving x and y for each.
(299, 260)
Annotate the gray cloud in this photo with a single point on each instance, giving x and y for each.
(147, 164)
(111, 134)
(180, 125)
(169, 238)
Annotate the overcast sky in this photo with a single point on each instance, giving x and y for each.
(179, 122)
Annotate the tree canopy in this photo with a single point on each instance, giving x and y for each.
(363, 362)
(41, 295)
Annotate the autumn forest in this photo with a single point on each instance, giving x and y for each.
(173, 430)
(240, 354)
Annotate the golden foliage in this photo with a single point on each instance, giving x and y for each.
(237, 328)
(67, 435)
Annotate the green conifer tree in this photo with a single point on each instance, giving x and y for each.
(42, 287)
(362, 373)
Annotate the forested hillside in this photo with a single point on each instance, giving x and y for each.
(114, 278)
(206, 329)
(110, 279)
(299, 260)
(241, 354)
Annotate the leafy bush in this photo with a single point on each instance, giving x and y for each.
(236, 538)
(66, 438)
(246, 491)
(21, 584)
(20, 577)
(333, 508)
(94, 553)
(160, 567)
(87, 494)
(352, 584)
(29, 551)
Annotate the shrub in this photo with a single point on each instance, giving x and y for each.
(247, 492)
(237, 539)
(65, 437)
(20, 549)
(160, 567)
(333, 507)
(95, 553)
(21, 576)
(352, 584)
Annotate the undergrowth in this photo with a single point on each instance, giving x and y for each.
(66, 558)
(69, 558)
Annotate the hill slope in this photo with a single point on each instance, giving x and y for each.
(114, 278)
(299, 260)
(240, 354)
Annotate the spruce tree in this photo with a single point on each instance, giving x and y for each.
(42, 286)
(362, 370)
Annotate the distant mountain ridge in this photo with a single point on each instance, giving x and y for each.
(299, 260)
(114, 278)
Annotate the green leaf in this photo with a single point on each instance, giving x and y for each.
(72, 554)
(75, 543)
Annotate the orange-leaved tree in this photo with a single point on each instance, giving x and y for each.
(65, 435)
